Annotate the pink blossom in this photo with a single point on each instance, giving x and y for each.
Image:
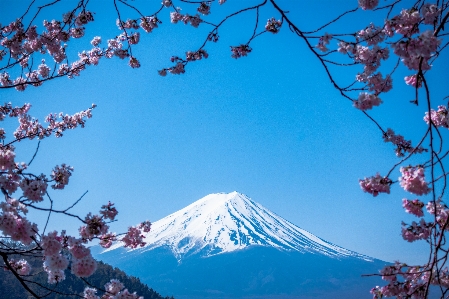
(20, 84)
(412, 180)
(149, 23)
(94, 227)
(17, 228)
(109, 211)
(377, 83)
(375, 185)
(83, 18)
(177, 69)
(125, 294)
(56, 262)
(77, 248)
(416, 231)
(55, 276)
(61, 175)
(430, 13)
(175, 17)
(134, 38)
(4, 79)
(34, 189)
(133, 238)
(416, 52)
(7, 156)
(195, 20)
(133, 62)
(198, 55)
(107, 239)
(122, 54)
(413, 207)
(240, 51)
(370, 57)
(114, 286)
(43, 69)
(21, 266)
(368, 4)
(96, 41)
(367, 101)
(84, 267)
(145, 226)
(323, 41)
(51, 244)
(441, 211)
(405, 22)
(89, 293)
(389, 272)
(77, 32)
(9, 182)
(413, 80)
(166, 3)
(204, 8)
(273, 25)
(372, 35)
(402, 146)
(439, 118)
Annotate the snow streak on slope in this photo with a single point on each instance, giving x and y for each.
(223, 222)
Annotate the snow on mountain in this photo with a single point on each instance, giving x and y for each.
(225, 222)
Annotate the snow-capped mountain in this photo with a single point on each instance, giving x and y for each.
(225, 222)
(226, 245)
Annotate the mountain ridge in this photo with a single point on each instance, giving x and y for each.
(225, 222)
(227, 246)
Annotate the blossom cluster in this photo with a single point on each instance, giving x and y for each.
(412, 284)
(61, 175)
(195, 20)
(114, 290)
(440, 118)
(413, 181)
(416, 52)
(402, 146)
(416, 231)
(240, 51)
(375, 185)
(273, 25)
(413, 207)
(22, 267)
(368, 4)
(134, 237)
(58, 250)
(323, 42)
(22, 43)
(367, 101)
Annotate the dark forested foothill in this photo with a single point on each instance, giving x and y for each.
(72, 286)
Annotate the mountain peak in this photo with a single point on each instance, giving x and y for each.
(225, 222)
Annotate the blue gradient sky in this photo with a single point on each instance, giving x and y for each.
(269, 125)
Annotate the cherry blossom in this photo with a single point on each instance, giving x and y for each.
(273, 25)
(240, 51)
(367, 101)
(416, 231)
(84, 267)
(413, 207)
(402, 146)
(413, 181)
(368, 4)
(375, 185)
(22, 267)
(439, 118)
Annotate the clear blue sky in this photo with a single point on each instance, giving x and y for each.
(269, 125)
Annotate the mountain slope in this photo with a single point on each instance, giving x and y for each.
(221, 222)
(227, 246)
